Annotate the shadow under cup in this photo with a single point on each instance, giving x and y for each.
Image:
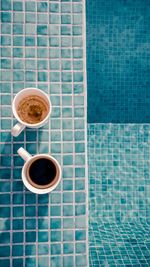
(42, 172)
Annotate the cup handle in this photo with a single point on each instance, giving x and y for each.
(24, 154)
(17, 129)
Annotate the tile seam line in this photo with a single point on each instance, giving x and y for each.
(86, 128)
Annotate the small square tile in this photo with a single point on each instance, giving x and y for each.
(77, 7)
(54, 41)
(81, 260)
(80, 247)
(42, 40)
(68, 210)
(66, 65)
(30, 211)
(56, 249)
(67, 261)
(54, 18)
(30, 6)
(4, 199)
(43, 223)
(6, 5)
(77, 19)
(30, 236)
(80, 210)
(42, 236)
(42, 53)
(18, 52)
(42, 7)
(6, 28)
(54, 64)
(17, 199)
(6, 17)
(43, 261)
(54, 7)
(5, 238)
(5, 63)
(80, 234)
(67, 197)
(55, 236)
(55, 223)
(56, 261)
(30, 18)
(30, 29)
(18, 29)
(68, 223)
(65, 19)
(65, 7)
(29, 41)
(67, 185)
(30, 224)
(17, 211)
(55, 198)
(42, 210)
(43, 249)
(18, 237)
(30, 250)
(17, 224)
(77, 30)
(17, 17)
(54, 30)
(65, 30)
(42, 29)
(68, 235)
(30, 261)
(17, 250)
(6, 40)
(17, 262)
(17, 6)
(77, 41)
(68, 248)
(42, 18)
(5, 52)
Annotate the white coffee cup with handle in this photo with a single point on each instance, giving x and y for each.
(41, 173)
(29, 92)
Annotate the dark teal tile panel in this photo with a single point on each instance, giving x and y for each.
(118, 40)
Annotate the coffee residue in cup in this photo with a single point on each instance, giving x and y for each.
(32, 109)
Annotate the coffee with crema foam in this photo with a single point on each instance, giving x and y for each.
(32, 109)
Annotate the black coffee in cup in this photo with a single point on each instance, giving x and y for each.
(42, 173)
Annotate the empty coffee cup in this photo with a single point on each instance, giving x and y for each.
(31, 107)
(41, 173)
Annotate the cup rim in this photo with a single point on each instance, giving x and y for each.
(40, 190)
(29, 124)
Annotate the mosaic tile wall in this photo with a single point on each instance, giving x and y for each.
(42, 46)
(118, 59)
(119, 199)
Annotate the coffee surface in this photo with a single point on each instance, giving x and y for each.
(32, 109)
(42, 171)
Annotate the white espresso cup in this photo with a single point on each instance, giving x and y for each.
(19, 127)
(48, 176)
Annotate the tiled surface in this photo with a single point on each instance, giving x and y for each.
(119, 244)
(119, 180)
(42, 46)
(118, 41)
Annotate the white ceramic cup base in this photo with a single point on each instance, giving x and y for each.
(28, 159)
(20, 126)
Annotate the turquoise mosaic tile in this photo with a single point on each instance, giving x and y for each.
(42, 47)
(118, 34)
(119, 177)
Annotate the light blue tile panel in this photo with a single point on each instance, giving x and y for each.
(119, 179)
(42, 46)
